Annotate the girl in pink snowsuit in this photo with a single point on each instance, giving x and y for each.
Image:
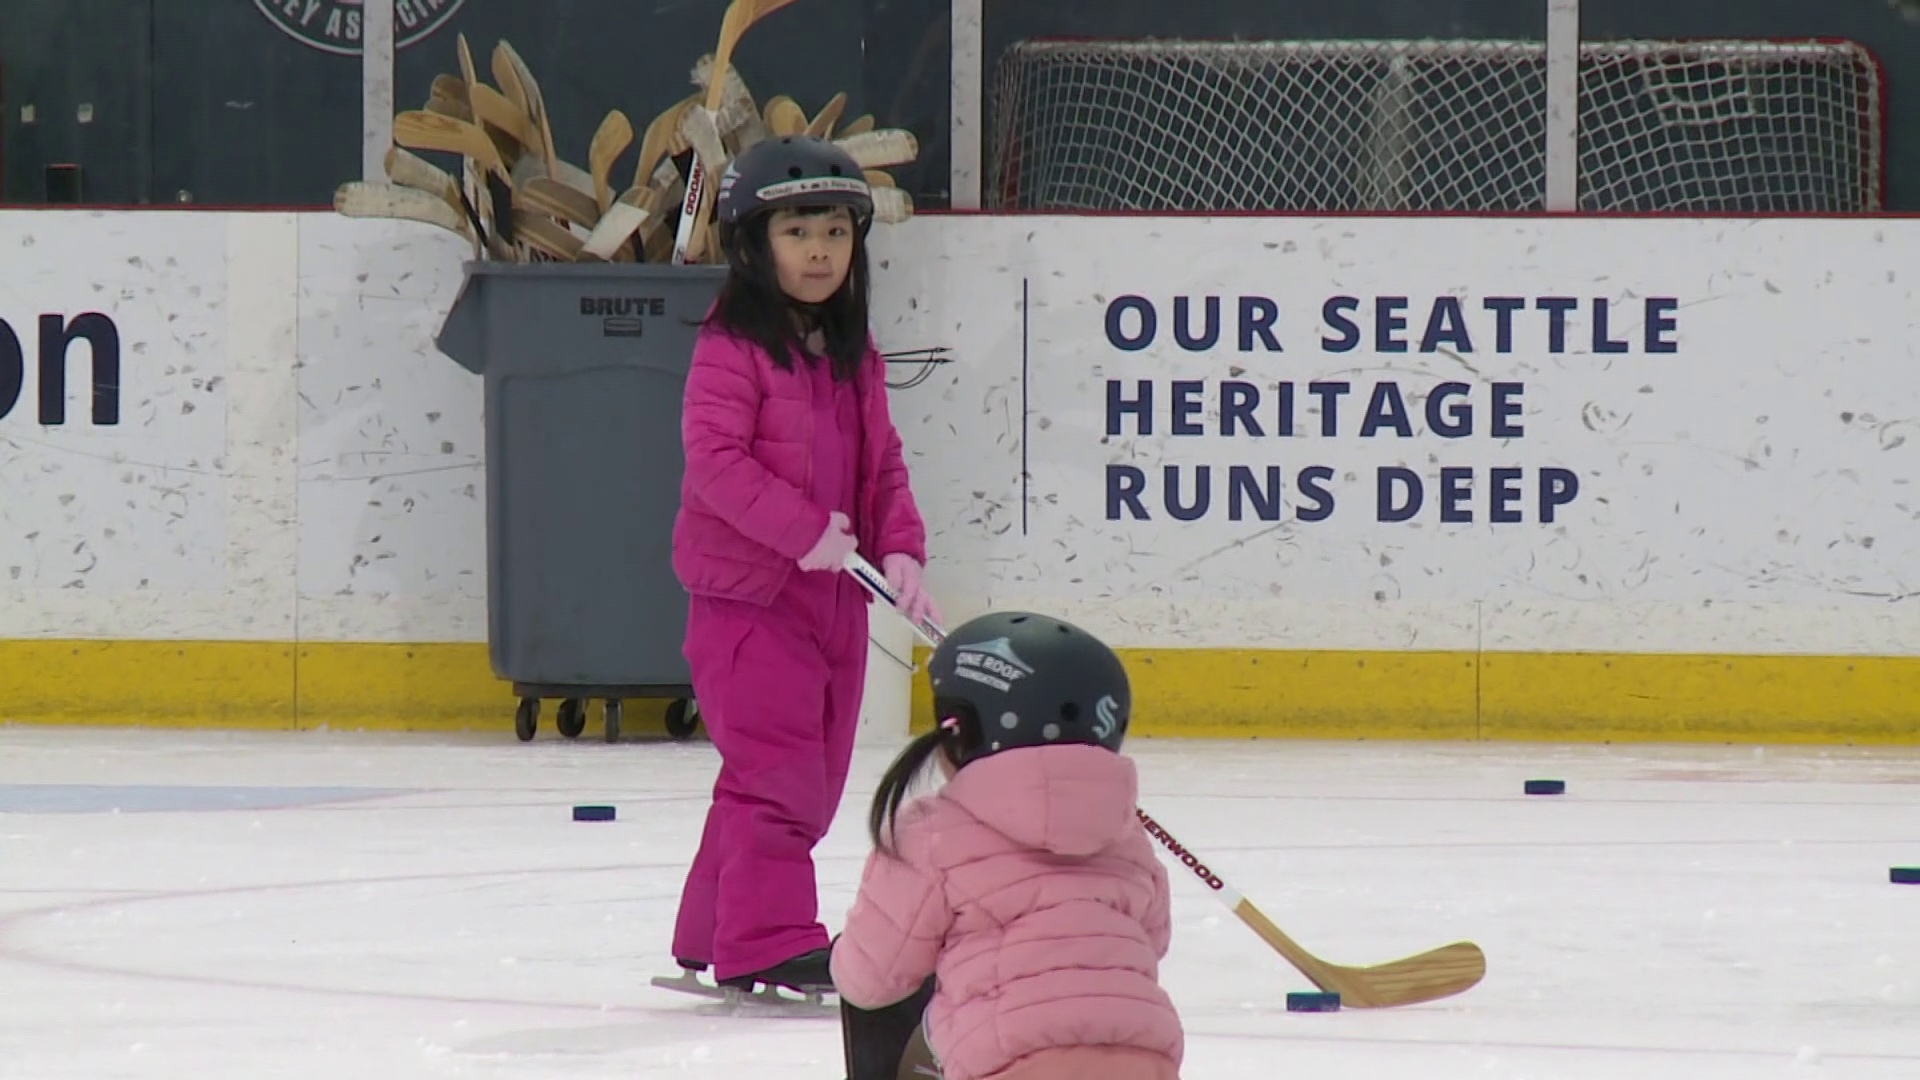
(792, 463)
(1025, 888)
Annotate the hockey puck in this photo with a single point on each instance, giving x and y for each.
(1313, 1002)
(1905, 875)
(593, 813)
(1546, 787)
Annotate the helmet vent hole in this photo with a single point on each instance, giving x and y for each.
(1070, 712)
(793, 171)
(1017, 619)
(835, 170)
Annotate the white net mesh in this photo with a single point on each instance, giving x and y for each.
(1706, 127)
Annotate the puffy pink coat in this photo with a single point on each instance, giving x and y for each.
(1028, 886)
(747, 428)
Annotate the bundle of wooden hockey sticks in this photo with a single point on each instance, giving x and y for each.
(517, 200)
(1428, 976)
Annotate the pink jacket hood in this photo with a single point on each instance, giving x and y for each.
(1069, 800)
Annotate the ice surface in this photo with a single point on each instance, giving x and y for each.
(191, 906)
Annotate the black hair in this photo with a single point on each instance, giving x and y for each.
(752, 306)
(956, 737)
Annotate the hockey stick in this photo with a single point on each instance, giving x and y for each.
(740, 16)
(610, 140)
(821, 126)
(1437, 973)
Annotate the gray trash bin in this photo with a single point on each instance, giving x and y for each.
(584, 366)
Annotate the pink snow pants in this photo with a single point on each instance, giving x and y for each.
(779, 692)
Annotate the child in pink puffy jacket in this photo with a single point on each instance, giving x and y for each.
(1021, 906)
(792, 463)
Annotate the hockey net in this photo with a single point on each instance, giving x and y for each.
(1698, 126)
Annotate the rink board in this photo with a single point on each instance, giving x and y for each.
(1664, 469)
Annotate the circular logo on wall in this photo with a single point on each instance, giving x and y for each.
(335, 25)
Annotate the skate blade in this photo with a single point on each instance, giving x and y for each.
(770, 1002)
(688, 982)
(764, 1001)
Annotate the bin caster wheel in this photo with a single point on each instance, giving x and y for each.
(526, 719)
(682, 718)
(613, 719)
(572, 718)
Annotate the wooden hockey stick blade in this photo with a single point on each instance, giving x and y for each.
(490, 106)
(1437, 973)
(821, 126)
(359, 199)
(432, 131)
(878, 149)
(662, 140)
(860, 126)
(558, 200)
(879, 178)
(536, 104)
(455, 108)
(1428, 976)
(546, 235)
(891, 206)
(785, 117)
(616, 225)
(448, 86)
(610, 140)
(409, 170)
(696, 126)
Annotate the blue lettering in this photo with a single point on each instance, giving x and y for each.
(1556, 308)
(1334, 313)
(1258, 315)
(1660, 321)
(1124, 485)
(1558, 487)
(1503, 308)
(1237, 402)
(1453, 422)
(1506, 492)
(1118, 406)
(1202, 495)
(1446, 324)
(1456, 487)
(1312, 484)
(1183, 317)
(1149, 323)
(1392, 509)
(1329, 393)
(1186, 404)
(1386, 407)
(1243, 488)
(1387, 320)
(1506, 406)
(1603, 341)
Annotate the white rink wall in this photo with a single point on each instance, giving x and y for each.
(293, 459)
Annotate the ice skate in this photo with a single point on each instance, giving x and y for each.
(795, 987)
(772, 991)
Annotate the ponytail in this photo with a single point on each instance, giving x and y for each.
(894, 785)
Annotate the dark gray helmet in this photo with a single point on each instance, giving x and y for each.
(1015, 679)
(791, 172)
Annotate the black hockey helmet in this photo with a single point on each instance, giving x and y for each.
(793, 172)
(1015, 679)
